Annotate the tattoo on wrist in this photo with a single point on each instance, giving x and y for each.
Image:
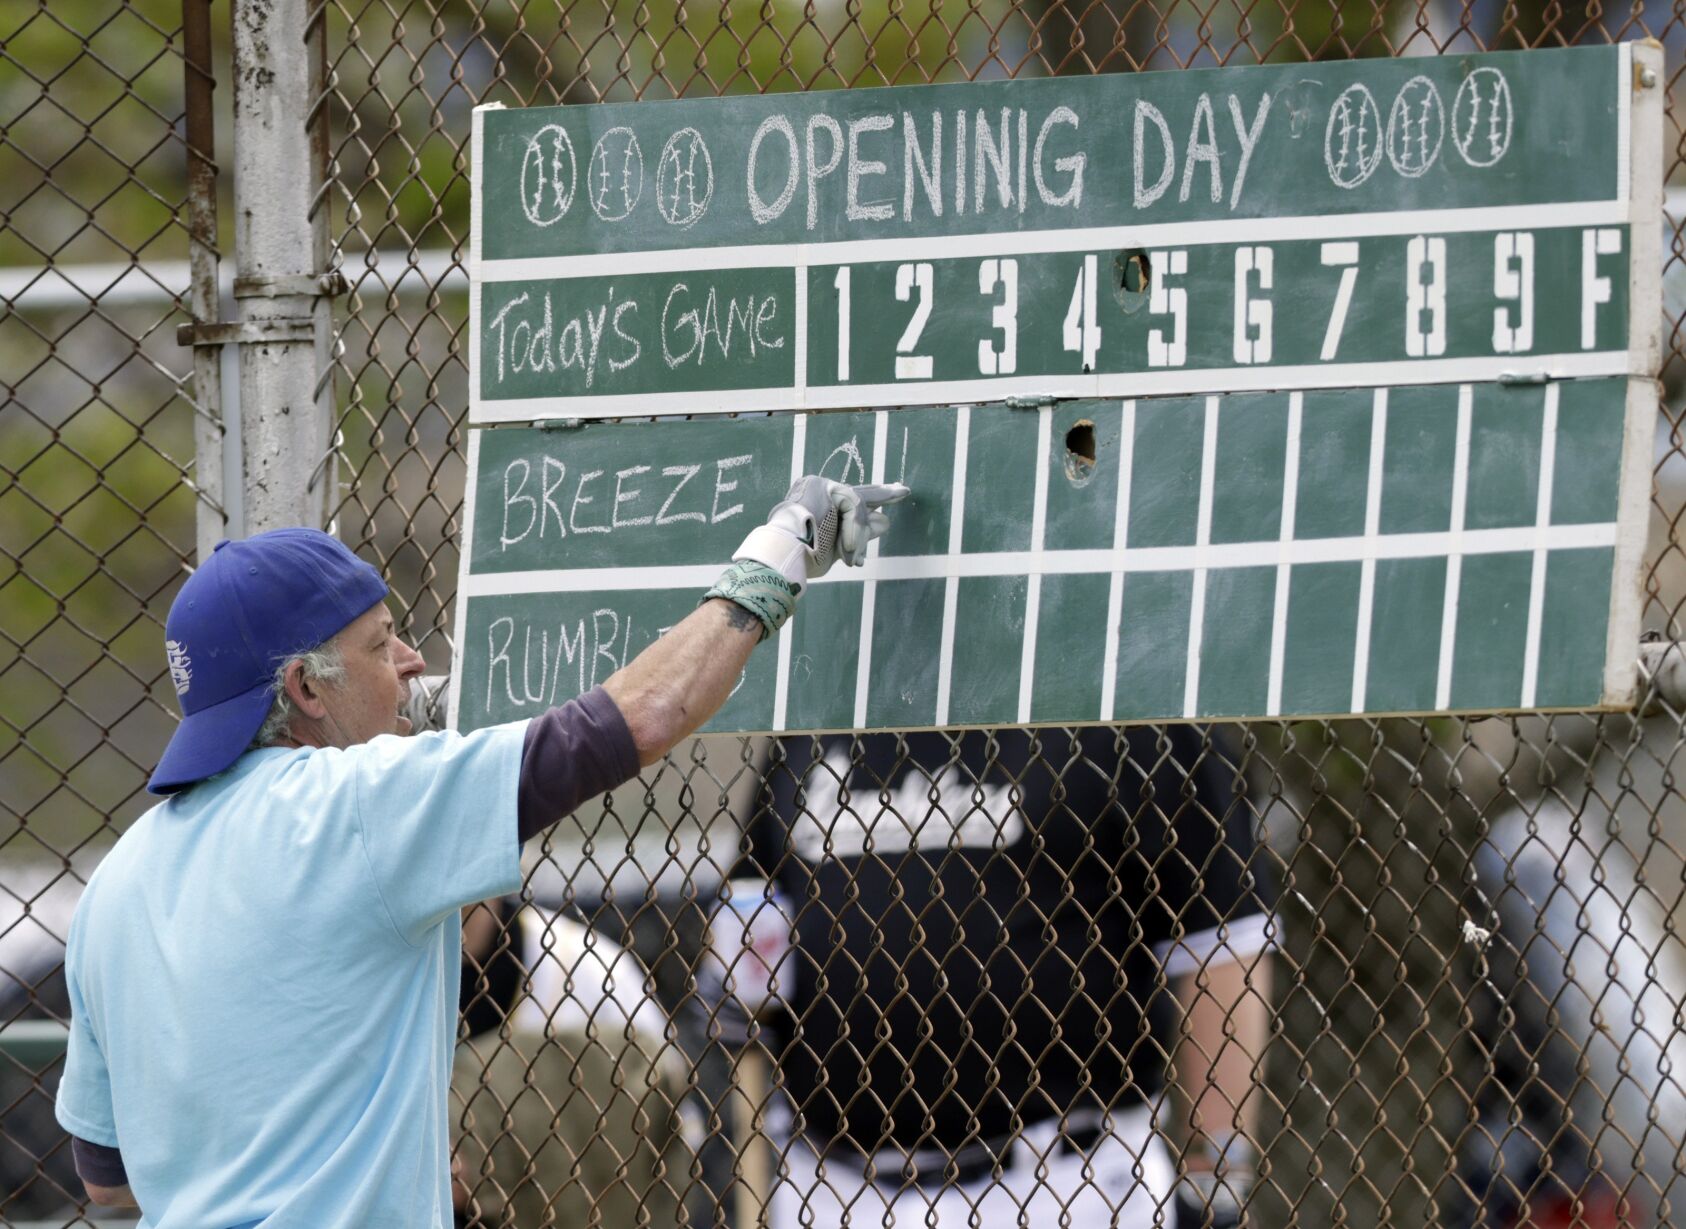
(742, 620)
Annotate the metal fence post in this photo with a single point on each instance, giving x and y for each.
(280, 244)
(219, 500)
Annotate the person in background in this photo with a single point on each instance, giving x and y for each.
(566, 1089)
(1002, 942)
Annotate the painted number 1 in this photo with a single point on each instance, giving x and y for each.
(841, 284)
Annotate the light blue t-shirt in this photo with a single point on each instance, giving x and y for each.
(263, 980)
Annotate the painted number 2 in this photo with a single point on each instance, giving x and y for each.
(911, 278)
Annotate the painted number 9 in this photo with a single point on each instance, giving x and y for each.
(1513, 279)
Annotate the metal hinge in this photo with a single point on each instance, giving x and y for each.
(259, 332)
(330, 285)
(248, 332)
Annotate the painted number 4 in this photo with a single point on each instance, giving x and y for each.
(1082, 334)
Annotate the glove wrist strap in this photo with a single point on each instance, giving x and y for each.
(778, 549)
(759, 589)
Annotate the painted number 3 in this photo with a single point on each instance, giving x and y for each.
(1003, 317)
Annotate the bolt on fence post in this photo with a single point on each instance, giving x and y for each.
(280, 247)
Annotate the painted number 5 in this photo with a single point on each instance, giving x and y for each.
(1004, 317)
(1172, 301)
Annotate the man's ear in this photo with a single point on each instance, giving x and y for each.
(304, 694)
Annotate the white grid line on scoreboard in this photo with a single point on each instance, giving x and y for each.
(1104, 386)
(1370, 544)
(1362, 548)
(1284, 570)
(1038, 534)
(951, 586)
(1120, 536)
(1542, 526)
(1202, 544)
(804, 256)
(1454, 557)
(781, 685)
(869, 592)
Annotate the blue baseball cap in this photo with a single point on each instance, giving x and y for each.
(250, 606)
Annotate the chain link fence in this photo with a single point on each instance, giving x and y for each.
(1430, 967)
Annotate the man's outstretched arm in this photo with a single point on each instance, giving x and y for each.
(670, 689)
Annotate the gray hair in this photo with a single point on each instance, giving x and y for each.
(323, 664)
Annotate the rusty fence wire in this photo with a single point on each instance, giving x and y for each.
(1431, 969)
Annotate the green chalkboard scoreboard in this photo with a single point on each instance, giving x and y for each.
(1309, 389)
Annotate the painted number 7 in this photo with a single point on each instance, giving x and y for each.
(1344, 256)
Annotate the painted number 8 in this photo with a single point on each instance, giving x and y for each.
(1425, 296)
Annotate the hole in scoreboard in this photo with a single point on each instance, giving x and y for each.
(1080, 452)
(1132, 279)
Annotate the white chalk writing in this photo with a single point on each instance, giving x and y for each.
(641, 496)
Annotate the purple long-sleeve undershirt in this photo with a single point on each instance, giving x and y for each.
(571, 754)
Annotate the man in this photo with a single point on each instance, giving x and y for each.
(263, 971)
(988, 933)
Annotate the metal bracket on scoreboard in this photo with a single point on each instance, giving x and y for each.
(1662, 671)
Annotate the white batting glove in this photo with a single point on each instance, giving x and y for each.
(820, 522)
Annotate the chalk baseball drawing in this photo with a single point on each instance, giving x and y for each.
(684, 178)
(1482, 117)
(1416, 128)
(616, 174)
(547, 176)
(1352, 141)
